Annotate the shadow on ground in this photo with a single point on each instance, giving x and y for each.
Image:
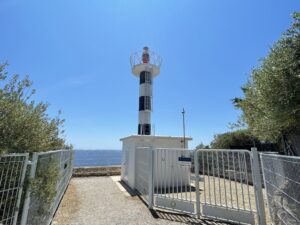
(129, 190)
(184, 218)
(172, 216)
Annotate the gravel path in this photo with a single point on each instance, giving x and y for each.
(104, 200)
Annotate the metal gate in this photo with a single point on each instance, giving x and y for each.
(223, 184)
(172, 187)
(230, 188)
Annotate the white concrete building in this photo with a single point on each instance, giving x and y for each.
(131, 156)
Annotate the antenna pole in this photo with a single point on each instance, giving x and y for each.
(183, 123)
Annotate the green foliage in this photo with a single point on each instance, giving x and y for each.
(48, 185)
(44, 185)
(25, 125)
(271, 103)
(234, 138)
(202, 146)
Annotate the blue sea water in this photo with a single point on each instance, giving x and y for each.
(97, 157)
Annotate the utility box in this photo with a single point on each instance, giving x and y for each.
(136, 157)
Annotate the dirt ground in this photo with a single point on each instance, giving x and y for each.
(106, 200)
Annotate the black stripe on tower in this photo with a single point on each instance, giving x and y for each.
(144, 103)
(144, 129)
(145, 77)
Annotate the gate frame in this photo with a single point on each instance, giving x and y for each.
(259, 199)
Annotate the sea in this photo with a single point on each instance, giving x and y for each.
(97, 158)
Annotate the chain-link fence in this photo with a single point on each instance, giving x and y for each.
(282, 182)
(12, 173)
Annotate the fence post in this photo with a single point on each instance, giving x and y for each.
(151, 176)
(28, 191)
(258, 187)
(20, 190)
(196, 162)
(265, 183)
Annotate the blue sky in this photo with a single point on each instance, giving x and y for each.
(77, 54)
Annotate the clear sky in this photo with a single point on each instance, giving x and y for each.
(77, 54)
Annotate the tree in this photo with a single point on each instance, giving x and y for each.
(25, 125)
(271, 102)
(234, 139)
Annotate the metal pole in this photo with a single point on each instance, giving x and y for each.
(196, 161)
(27, 195)
(258, 187)
(151, 176)
(183, 123)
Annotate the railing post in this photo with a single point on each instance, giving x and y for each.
(196, 162)
(28, 191)
(151, 176)
(258, 187)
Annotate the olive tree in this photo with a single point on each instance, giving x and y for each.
(25, 125)
(271, 102)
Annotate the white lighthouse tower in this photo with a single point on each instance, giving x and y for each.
(146, 66)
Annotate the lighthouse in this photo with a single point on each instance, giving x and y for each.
(146, 66)
(140, 150)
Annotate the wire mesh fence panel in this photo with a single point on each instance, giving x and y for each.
(52, 175)
(12, 174)
(282, 182)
